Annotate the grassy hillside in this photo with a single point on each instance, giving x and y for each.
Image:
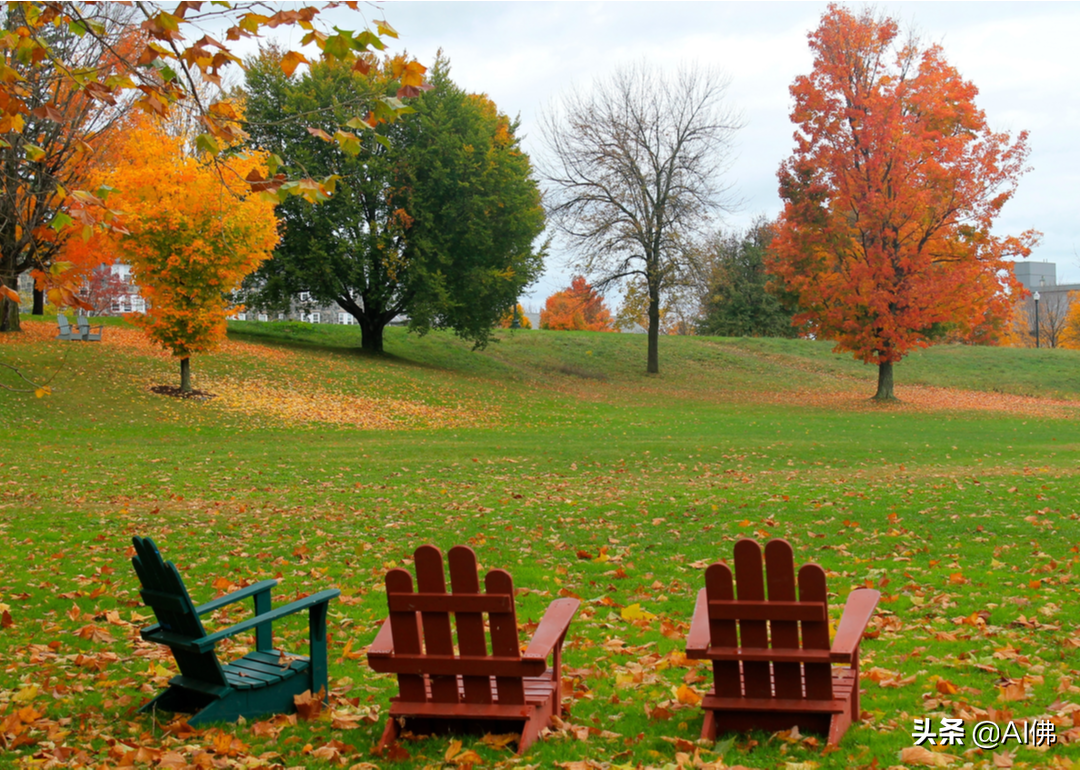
(553, 455)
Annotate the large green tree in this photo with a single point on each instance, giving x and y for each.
(436, 219)
(740, 298)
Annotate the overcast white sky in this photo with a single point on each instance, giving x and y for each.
(1022, 57)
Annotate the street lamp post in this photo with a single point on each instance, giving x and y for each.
(1036, 319)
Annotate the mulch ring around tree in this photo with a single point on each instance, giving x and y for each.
(175, 392)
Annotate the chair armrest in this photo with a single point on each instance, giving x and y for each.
(254, 589)
(860, 607)
(263, 586)
(383, 645)
(206, 643)
(552, 629)
(699, 638)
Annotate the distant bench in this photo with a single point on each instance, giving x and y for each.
(84, 333)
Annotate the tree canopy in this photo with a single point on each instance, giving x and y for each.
(192, 232)
(436, 222)
(891, 195)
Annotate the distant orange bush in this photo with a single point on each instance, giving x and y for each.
(578, 308)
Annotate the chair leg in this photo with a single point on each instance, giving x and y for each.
(838, 725)
(708, 728)
(389, 735)
(537, 721)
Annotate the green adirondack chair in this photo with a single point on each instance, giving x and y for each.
(66, 332)
(264, 681)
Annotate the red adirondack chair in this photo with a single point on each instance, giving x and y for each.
(441, 688)
(764, 677)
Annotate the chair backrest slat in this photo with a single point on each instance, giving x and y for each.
(750, 585)
(815, 634)
(723, 633)
(472, 641)
(780, 577)
(406, 632)
(504, 637)
(438, 636)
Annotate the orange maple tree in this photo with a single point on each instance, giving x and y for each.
(192, 235)
(577, 308)
(890, 197)
(1070, 337)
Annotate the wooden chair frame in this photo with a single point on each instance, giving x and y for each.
(772, 662)
(66, 332)
(261, 682)
(86, 331)
(442, 688)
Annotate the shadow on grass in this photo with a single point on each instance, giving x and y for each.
(275, 338)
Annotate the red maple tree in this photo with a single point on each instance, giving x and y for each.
(890, 197)
(577, 308)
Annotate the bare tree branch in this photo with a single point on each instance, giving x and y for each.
(634, 171)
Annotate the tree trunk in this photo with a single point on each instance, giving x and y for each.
(39, 302)
(9, 311)
(371, 335)
(654, 327)
(185, 375)
(884, 382)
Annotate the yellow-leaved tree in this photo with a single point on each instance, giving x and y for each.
(194, 231)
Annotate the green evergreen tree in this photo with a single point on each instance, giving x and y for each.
(741, 298)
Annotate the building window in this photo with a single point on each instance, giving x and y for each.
(120, 305)
(123, 271)
(315, 318)
(346, 318)
(281, 316)
(264, 317)
(138, 304)
(241, 316)
(305, 296)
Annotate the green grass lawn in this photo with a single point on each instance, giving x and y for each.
(555, 457)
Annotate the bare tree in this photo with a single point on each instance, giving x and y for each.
(1053, 319)
(634, 171)
(59, 121)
